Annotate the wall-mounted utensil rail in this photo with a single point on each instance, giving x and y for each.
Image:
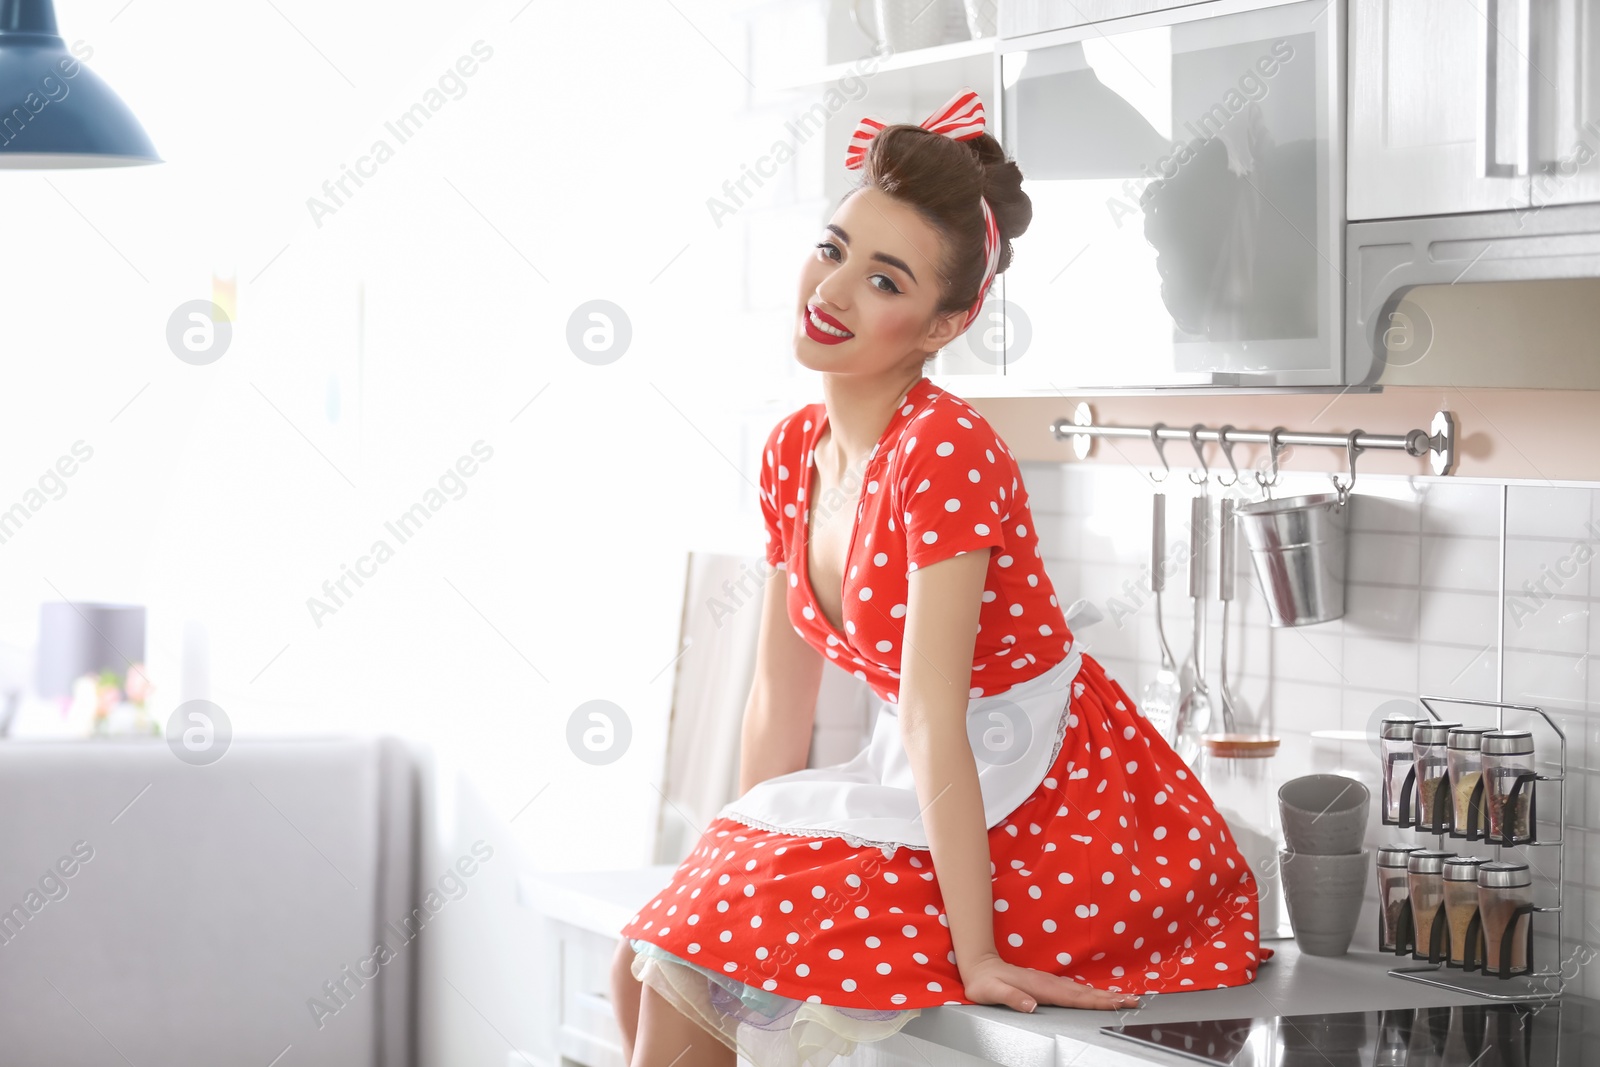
(1438, 442)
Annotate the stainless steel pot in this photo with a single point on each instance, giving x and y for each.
(1298, 546)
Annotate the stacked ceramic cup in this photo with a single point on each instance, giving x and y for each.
(1324, 868)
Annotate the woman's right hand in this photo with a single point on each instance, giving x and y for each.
(994, 981)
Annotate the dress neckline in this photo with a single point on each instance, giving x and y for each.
(807, 481)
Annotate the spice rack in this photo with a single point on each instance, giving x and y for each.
(1483, 982)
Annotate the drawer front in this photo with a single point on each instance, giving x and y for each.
(587, 1025)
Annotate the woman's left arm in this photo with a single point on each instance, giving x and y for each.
(941, 629)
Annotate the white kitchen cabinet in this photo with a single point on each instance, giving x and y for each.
(1435, 106)
(1463, 107)
(1565, 120)
(1184, 169)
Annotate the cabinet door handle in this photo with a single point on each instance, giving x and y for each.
(1504, 94)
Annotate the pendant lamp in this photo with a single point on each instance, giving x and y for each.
(54, 111)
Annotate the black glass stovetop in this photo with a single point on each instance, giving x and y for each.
(1563, 1031)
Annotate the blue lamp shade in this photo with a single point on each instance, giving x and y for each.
(54, 111)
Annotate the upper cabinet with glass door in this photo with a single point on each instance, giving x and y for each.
(1185, 170)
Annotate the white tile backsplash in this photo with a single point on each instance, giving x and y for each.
(1390, 665)
(1460, 509)
(1539, 570)
(1386, 513)
(1422, 616)
(1459, 618)
(1547, 511)
(1548, 680)
(1452, 561)
(1390, 558)
(1558, 625)
(1375, 610)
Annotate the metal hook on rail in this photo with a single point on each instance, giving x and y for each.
(1273, 450)
(1199, 451)
(1227, 453)
(1161, 450)
(1351, 448)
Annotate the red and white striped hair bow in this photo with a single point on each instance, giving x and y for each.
(961, 119)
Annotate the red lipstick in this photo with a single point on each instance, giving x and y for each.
(821, 336)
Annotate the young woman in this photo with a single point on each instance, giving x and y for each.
(1015, 832)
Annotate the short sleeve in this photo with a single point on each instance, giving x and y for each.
(954, 488)
(774, 478)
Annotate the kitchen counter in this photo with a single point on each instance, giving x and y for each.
(1291, 983)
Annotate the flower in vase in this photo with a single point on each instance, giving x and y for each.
(138, 685)
(107, 694)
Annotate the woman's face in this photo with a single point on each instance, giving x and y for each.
(873, 276)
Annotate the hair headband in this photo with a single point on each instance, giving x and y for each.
(960, 119)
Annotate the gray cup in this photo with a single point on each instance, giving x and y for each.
(1324, 814)
(1324, 897)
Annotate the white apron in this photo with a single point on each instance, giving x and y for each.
(872, 798)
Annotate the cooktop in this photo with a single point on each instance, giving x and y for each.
(1562, 1031)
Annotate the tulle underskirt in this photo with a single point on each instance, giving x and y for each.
(763, 1028)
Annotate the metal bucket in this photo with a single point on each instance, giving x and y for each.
(1298, 547)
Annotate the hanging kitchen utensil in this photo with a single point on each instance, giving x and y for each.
(1299, 548)
(1186, 668)
(1194, 710)
(1161, 695)
(1225, 567)
(1194, 714)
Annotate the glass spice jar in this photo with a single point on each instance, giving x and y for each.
(1508, 785)
(1464, 756)
(1393, 891)
(1431, 789)
(1394, 736)
(1460, 878)
(1425, 882)
(1502, 889)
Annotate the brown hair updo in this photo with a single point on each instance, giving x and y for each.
(942, 179)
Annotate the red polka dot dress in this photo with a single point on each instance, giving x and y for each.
(808, 918)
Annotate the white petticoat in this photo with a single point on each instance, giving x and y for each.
(763, 1028)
